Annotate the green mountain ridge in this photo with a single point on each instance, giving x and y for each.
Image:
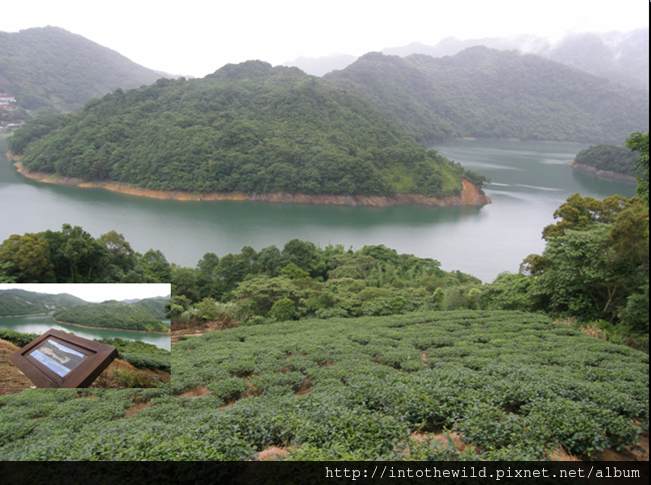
(49, 69)
(622, 57)
(485, 93)
(112, 314)
(245, 128)
(22, 302)
(153, 306)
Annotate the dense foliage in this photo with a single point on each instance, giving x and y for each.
(608, 157)
(111, 314)
(303, 280)
(17, 338)
(72, 255)
(249, 128)
(154, 306)
(595, 268)
(21, 302)
(140, 354)
(486, 93)
(639, 142)
(516, 386)
(51, 70)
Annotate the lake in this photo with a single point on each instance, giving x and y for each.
(42, 323)
(529, 181)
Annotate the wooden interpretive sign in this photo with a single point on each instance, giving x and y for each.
(58, 359)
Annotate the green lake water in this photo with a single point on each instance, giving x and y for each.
(529, 181)
(42, 323)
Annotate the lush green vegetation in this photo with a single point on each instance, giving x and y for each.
(17, 338)
(51, 70)
(514, 385)
(486, 93)
(140, 354)
(303, 280)
(111, 314)
(639, 142)
(608, 157)
(311, 367)
(595, 267)
(11, 304)
(21, 302)
(72, 255)
(155, 307)
(247, 127)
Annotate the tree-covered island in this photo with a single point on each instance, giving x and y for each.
(246, 128)
(609, 161)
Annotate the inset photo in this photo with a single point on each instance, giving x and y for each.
(84, 335)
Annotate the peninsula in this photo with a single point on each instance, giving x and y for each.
(470, 195)
(246, 132)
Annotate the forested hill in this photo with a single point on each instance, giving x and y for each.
(485, 93)
(112, 314)
(153, 306)
(245, 128)
(52, 70)
(608, 157)
(21, 302)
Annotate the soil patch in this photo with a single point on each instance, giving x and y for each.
(110, 380)
(135, 408)
(304, 388)
(272, 453)
(200, 391)
(12, 379)
(196, 329)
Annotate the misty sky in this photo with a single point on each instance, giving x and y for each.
(97, 292)
(197, 37)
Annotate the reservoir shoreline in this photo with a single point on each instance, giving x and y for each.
(470, 194)
(602, 173)
(115, 329)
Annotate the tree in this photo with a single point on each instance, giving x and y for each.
(26, 258)
(584, 278)
(119, 250)
(156, 266)
(300, 253)
(282, 310)
(206, 309)
(639, 142)
(77, 250)
(596, 261)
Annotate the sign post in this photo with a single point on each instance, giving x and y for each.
(59, 360)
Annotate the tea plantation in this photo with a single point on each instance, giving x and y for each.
(514, 385)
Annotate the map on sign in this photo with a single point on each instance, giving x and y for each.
(57, 357)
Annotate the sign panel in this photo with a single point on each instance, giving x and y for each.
(59, 359)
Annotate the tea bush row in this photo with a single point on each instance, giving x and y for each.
(514, 385)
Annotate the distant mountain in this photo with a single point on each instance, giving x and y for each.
(21, 302)
(49, 69)
(486, 93)
(622, 57)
